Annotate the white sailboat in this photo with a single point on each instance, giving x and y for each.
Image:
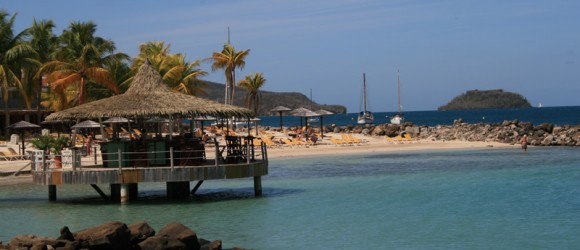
(312, 119)
(398, 118)
(365, 116)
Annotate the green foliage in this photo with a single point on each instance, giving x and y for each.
(47, 142)
(487, 99)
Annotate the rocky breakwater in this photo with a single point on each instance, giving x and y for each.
(117, 235)
(510, 132)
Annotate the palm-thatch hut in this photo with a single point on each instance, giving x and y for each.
(149, 97)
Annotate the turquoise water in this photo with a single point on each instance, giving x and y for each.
(472, 199)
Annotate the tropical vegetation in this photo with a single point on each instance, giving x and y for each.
(253, 84)
(229, 59)
(487, 99)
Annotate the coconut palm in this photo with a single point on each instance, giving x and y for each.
(229, 59)
(15, 56)
(44, 42)
(178, 74)
(80, 60)
(253, 84)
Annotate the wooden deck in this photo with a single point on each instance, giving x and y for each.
(100, 175)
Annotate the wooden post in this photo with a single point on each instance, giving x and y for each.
(258, 185)
(52, 192)
(171, 158)
(217, 153)
(115, 192)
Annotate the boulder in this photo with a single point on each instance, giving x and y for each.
(214, 245)
(140, 231)
(26, 241)
(111, 235)
(182, 233)
(162, 242)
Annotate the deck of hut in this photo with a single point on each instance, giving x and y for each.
(178, 168)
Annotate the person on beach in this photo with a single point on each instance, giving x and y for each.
(89, 143)
(524, 143)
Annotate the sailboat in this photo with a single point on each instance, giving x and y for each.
(312, 119)
(398, 118)
(365, 116)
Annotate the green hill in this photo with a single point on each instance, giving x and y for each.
(486, 99)
(293, 100)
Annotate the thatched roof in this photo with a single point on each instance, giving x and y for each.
(147, 97)
(303, 112)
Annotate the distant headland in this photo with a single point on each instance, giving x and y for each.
(487, 99)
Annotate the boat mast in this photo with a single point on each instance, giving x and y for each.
(398, 92)
(364, 94)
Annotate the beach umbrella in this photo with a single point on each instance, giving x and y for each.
(322, 113)
(86, 124)
(303, 112)
(23, 126)
(158, 121)
(149, 96)
(280, 109)
(201, 119)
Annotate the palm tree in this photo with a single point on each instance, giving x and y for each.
(178, 74)
(16, 56)
(44, 42)
(253, 83)
(80, 60)
(229, 59)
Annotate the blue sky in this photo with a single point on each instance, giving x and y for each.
(442, 48)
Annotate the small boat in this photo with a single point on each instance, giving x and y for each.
(398, 118)
(312, 119)
(365, 116)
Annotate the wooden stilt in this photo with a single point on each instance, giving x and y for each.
(115, 192)
(52, 192)
(101, 193)
(258, 185)
(178, 189)
(196, 187)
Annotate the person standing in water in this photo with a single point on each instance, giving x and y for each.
(524, 143)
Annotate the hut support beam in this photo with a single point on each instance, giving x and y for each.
(178, 189)
(124, 192)
(196, 187)
(101, 193)
(258, 185)
(52, 192)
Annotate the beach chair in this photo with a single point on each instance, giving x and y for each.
(354, 138)
(390, 140)
(409, 138)
(399, 139)
(337, 141)
(12, 155)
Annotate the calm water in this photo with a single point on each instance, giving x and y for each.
(555, 115)
(483, 199)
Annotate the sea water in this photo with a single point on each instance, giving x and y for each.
(569, 115)
(466, 199)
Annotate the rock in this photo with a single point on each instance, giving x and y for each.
(140, 231)
(214, 245)
(111, 235)
(65, 234)
(30, 242)
(182, 233)
(162, 242)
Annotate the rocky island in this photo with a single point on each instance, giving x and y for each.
(486, 99)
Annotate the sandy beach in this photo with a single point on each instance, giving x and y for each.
(369, 145)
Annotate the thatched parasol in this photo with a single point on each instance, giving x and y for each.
(280, 109)
(22, 126)
(87, 124)
(322, 113)
(303, 112)
(148, 96)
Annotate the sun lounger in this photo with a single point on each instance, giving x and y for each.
(409, 138)
(11, 155)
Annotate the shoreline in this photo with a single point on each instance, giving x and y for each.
(371, 145)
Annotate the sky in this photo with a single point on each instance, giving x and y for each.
(441, 48)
